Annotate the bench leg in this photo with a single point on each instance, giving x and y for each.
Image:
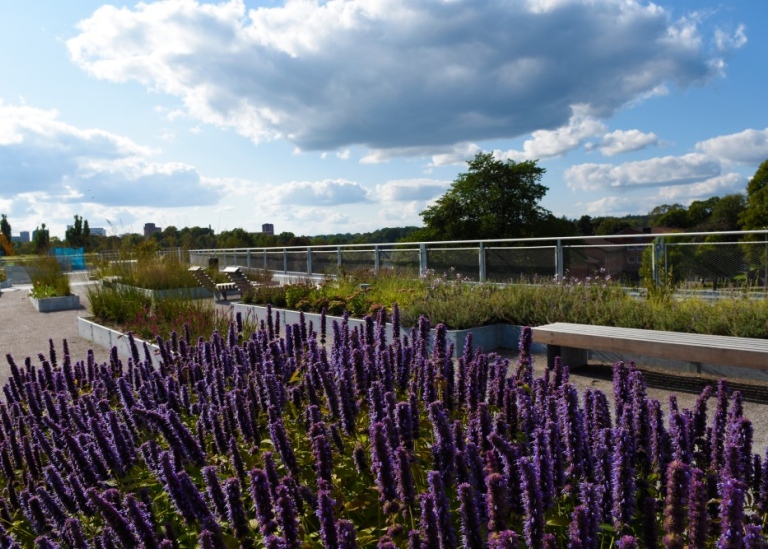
(569, 356)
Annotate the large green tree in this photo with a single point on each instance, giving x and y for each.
(493, 199)
(79, 235)
(755, 216)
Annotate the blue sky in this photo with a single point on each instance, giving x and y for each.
(347, 116)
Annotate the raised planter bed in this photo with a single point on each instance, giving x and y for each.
(51, 304)
(196, 292)
(489, 338)
(108, 338)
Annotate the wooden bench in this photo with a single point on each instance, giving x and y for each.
(572, 342)
(219, 290)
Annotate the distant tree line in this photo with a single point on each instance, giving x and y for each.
(493, 199)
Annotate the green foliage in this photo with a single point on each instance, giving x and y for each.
(116, 305)
(48, 280)
(42, 239)
(493, 199)
(3, 276)
(79, 235)
(451, 300)
(755, 216)
(151, 272)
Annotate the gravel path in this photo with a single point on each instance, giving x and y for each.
(25, 333)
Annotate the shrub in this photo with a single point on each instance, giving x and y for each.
(48, 280)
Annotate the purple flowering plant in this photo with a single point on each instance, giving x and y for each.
(246, 439)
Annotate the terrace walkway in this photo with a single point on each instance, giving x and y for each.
(25, 332)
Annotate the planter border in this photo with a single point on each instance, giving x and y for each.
(489, 338)
(194, 292)
(52, 304)
(108, 338)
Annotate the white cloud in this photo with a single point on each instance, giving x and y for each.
(726, 41)
(746, 147)
(397, 73)
(411, 189)
(662, 171)
(552, 143)
(39, 153)
(622, 141)
(682, 194)
(328, 192)
(723, 184)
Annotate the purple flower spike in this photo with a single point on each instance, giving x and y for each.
(287, 518)
(627, 542)
(116, 521)
(533, 525)
(732, 515)
(471, 532)
(429, 528)
(347, 535)
(236, 512)
(262, 499)
(503, 540)
(754, 537)
(327, 521)
(678, 487)
(445, 532)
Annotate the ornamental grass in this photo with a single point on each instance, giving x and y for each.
(272, 439)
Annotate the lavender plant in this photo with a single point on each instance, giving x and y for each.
(260, 440)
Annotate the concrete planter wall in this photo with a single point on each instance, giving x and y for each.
(5, 284)
(197, 292)
(108, 338)
(497, 336)
(50, 304)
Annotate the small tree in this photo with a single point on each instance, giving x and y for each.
(755, 216)
(493, 199)
(41, 239)
(5, 228)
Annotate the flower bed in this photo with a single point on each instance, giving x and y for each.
(270, 441)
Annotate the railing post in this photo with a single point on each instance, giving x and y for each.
(234, 258)
(481, 262)
(376, 259)
(285, 261)
(248, 258)
(338, 257)
(559, 266)
(309, 261)
(265, 259)
(655, 257)
(423, 259)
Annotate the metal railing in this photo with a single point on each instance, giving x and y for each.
(714, 258)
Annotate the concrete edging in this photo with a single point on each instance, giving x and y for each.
(489, 338)
(52, 304)
(108, 338)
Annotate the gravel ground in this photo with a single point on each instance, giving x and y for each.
(25, 333)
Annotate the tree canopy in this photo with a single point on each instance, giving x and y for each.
(755, 216)
(493, 199)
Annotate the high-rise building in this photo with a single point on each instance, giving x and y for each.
(150, 228)
(268, 228)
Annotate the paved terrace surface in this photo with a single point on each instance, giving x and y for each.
(25, 333)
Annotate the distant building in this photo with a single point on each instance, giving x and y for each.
(150, 228)
(22, 238)
(98, 231)
(268, 228)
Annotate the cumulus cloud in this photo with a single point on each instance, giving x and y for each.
(622, 141)
(681, 194)
(39, 153)
(746, 147)
(411, 189)
(661, 171)
(552, 143)
(328, 192)
(398, 73)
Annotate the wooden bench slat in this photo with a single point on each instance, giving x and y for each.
(736, 351)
